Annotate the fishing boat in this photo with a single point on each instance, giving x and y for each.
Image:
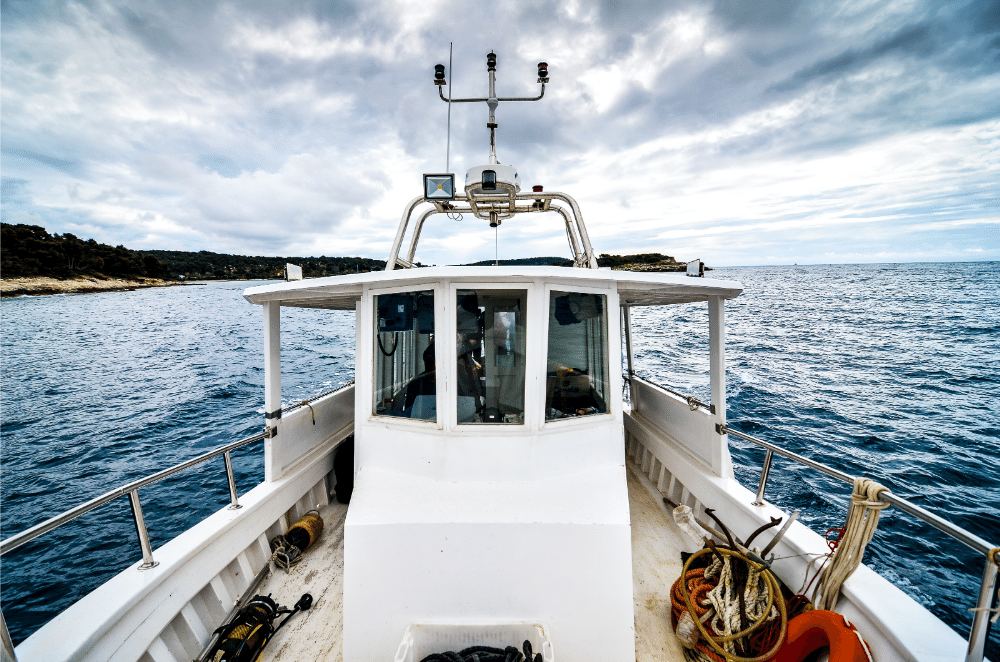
(491, 477)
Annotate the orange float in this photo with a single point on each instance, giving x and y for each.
(815, 629)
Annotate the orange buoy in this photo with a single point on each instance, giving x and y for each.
(815, 629)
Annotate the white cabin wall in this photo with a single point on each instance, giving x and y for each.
(543, 505)
(448, 451)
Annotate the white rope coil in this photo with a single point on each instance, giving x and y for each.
(727, 605)
(862, 520)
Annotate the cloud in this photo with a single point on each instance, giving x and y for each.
(912, 40)
(68, 166)
(724, 130)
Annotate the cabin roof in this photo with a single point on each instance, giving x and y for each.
(634, 288)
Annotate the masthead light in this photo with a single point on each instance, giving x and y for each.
(439, 75)
(543, 72)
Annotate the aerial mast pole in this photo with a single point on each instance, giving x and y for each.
(492, 100)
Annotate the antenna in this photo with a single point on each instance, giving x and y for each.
(447, 158)
(492, 100)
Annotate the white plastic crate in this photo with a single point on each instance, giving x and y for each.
(423, 639)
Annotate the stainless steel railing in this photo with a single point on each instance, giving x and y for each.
(988, 585)
(132, 491)
(693, 402)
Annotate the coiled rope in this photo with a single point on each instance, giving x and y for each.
(708, 608)
(287, 549)
(487, 654)
(862, 520)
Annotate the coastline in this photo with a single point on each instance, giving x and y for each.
(39, 285)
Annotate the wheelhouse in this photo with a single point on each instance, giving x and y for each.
(489, 444)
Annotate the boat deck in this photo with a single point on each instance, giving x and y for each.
(316, 633)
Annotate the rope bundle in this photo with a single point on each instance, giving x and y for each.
(287, 550)
(713, 603)
(487, 654)
(862, 520)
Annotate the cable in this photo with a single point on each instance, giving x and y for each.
(395, 344)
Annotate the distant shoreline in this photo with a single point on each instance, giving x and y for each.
(40, 285)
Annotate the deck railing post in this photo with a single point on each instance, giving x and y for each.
(140, 529)
(235, 505)
(627, 333)
(980, 624)
(7, 651)
(764, 471)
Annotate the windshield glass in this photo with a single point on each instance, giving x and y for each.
(404, 356)
(490, 369)
(576, 381)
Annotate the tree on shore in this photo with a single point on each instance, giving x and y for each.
(28, 250)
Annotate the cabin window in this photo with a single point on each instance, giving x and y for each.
(577, 370)
(490, 368)
(404, 356)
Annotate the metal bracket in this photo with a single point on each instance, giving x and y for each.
(270, 432)
(720, 429)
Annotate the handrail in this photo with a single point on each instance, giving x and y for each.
(693, 402)
(30, 534)
(314, 398)
(132, 490)
(939, 523)
(979, 630)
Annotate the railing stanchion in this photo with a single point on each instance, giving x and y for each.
(980, 622)
(140, 529)
(764, 471)
(7, 651)
(232, 482)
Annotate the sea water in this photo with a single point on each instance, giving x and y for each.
(889, 371)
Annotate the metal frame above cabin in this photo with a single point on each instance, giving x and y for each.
(504, 205)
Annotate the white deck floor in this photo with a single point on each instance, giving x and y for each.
(316, 634)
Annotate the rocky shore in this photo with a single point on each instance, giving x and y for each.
(661, 266)
(12, 287)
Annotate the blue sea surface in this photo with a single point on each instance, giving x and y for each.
(890, 371)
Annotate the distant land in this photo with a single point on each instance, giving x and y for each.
(638, 262)
(34, 262)
(205, 265)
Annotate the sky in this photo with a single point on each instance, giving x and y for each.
(740, 133)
